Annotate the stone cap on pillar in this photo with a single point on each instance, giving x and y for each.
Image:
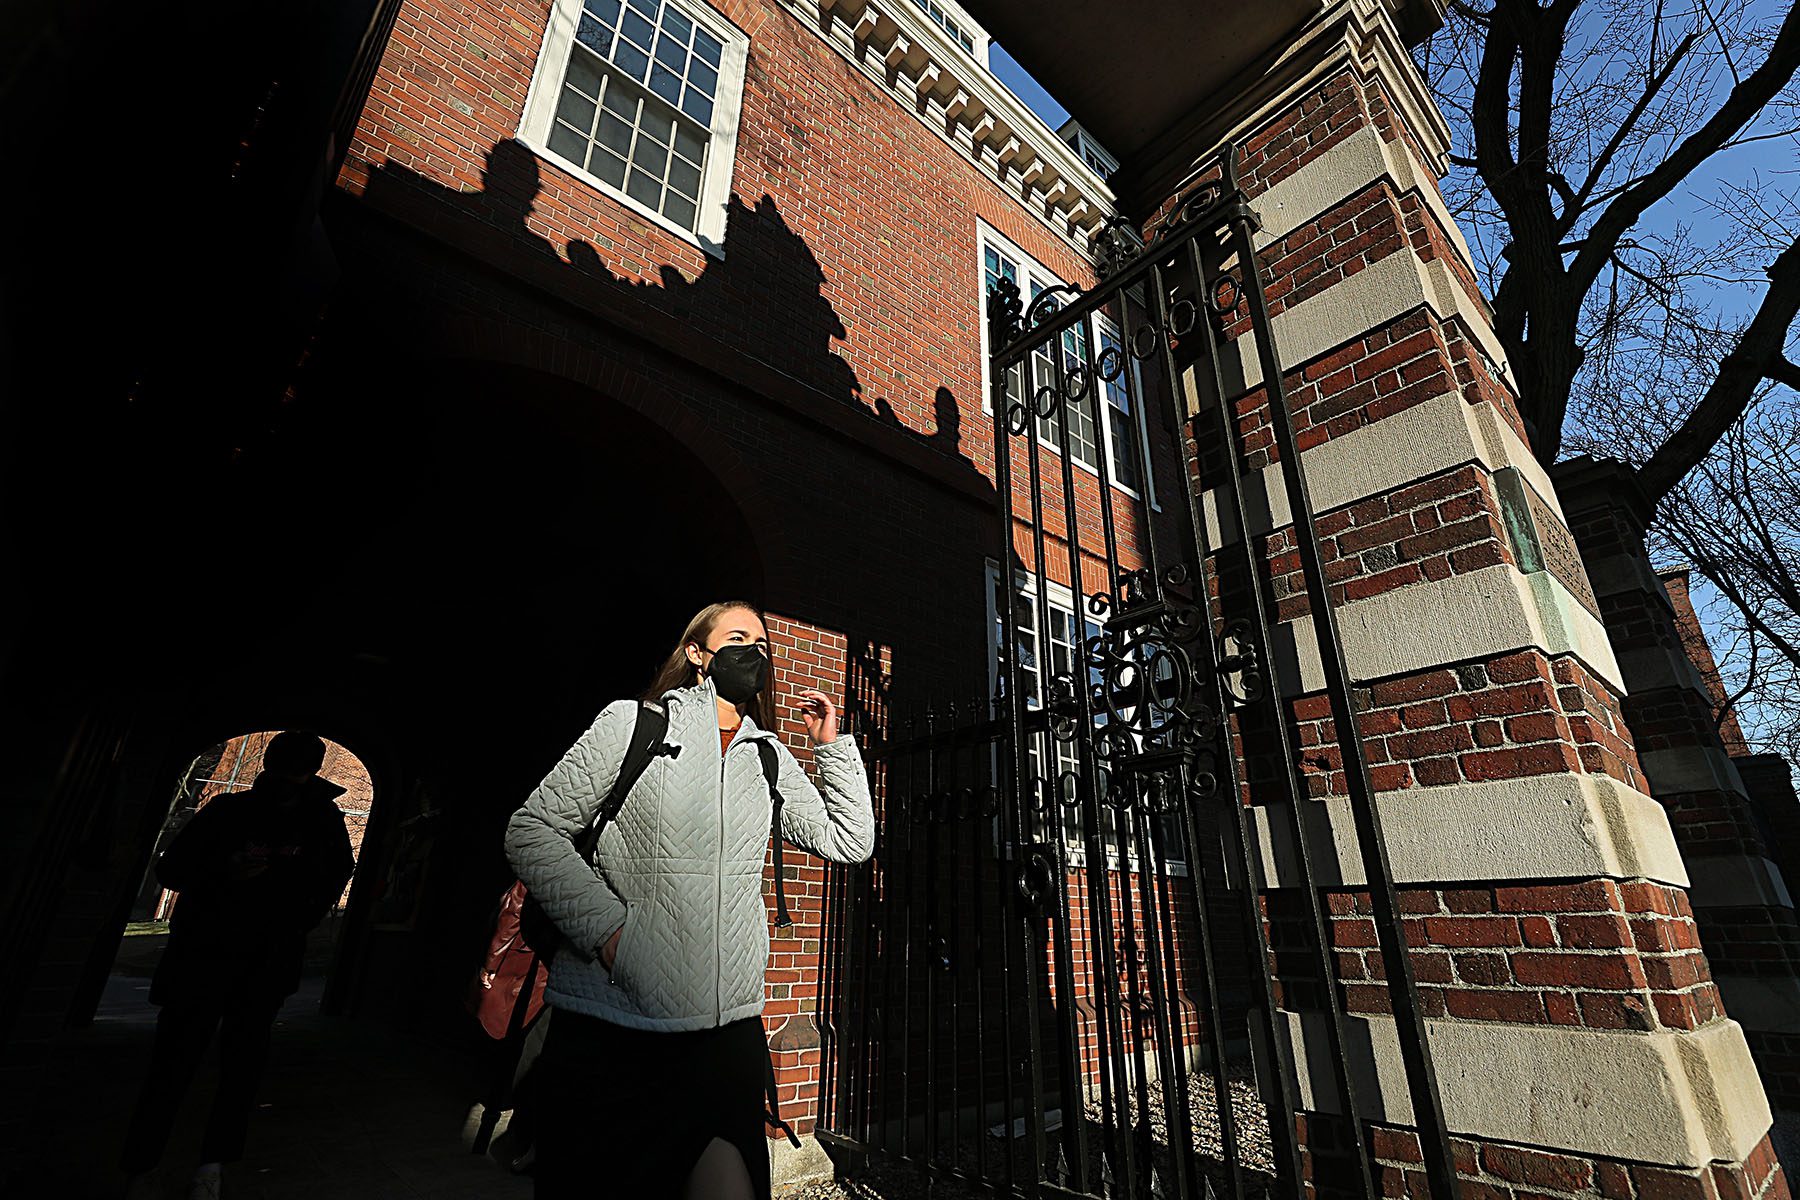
(1765, 775)
(1584, 483)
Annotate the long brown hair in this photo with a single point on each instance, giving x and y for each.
(677, 672)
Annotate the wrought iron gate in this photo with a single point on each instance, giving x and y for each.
(1064, 973)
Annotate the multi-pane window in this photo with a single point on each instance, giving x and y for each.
(1055, 764)
(641, 96)
(637, 102)
(1063, 656)
(1122, 438)
(1121, 412)
(948, 24)
(1080, 141)
(1082, 442)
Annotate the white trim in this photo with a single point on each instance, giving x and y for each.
(714, 201)
(982, 53)
(1134, 382)
(1472, 617)
(1680, 1098)
(1032, 271)
(964, 105)
(1561, 826)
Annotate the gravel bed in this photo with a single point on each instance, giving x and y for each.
(1255, 1153)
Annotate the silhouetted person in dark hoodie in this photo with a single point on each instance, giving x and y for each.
(256, 870)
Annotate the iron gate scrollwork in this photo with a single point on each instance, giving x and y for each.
(1060, 975)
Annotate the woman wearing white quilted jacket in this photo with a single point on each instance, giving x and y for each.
(654, 1068)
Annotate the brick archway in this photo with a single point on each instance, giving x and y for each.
(500, 343)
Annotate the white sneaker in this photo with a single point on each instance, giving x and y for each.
(206, 1182)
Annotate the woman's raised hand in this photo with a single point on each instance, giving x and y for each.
(820, 715)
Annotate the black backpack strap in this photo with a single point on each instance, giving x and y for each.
(771, 765)
(646, 743)
(774, 1113)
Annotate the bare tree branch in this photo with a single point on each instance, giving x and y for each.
(1746, 100)
(1625, 128)
(1758, 353)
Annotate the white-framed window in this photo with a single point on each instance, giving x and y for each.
(1123, 440)
(1049, 652)
(947, 23)
(1092, 152)
(1127, 445)
(642, 99)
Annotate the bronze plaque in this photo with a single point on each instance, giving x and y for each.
(1540, 540)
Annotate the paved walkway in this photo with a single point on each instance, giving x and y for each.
(347, 1112)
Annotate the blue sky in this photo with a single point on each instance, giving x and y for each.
(1022, 85)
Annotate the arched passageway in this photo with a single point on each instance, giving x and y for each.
(223, 769)
(499, 555)
(453, 568)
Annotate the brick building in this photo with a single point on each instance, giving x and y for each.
(577, 314)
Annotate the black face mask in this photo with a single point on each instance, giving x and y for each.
(739, 673)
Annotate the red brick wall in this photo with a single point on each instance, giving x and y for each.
(1699, 652)
(1601, 953)
(837, 343)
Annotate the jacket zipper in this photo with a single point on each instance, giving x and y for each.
(719, 902)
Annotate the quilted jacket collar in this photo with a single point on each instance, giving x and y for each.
(702, 696)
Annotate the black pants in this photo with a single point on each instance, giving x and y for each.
(183, 1031)
(524, 1097)
(626, 1113)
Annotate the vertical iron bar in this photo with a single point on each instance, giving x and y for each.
(1173, 1102)
(1289, 761)
(1158, 294)
(904, 1062)
(1140, 1077)
(1011, 801)
(1227, 1114)
(1028, 930)
(1415, 1050)
(830, 936)
(1181, 1124)
(953, 967)
(978, 864)
(879, 1051)
(929, 957)
(1087, 775)
(863, 1097)
(890, 1020)
(1109, 1023)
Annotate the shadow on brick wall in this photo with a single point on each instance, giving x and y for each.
(765, 298)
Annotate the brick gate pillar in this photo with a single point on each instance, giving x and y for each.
(1580, 1043)
(1741, 902)
(1769, 781)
